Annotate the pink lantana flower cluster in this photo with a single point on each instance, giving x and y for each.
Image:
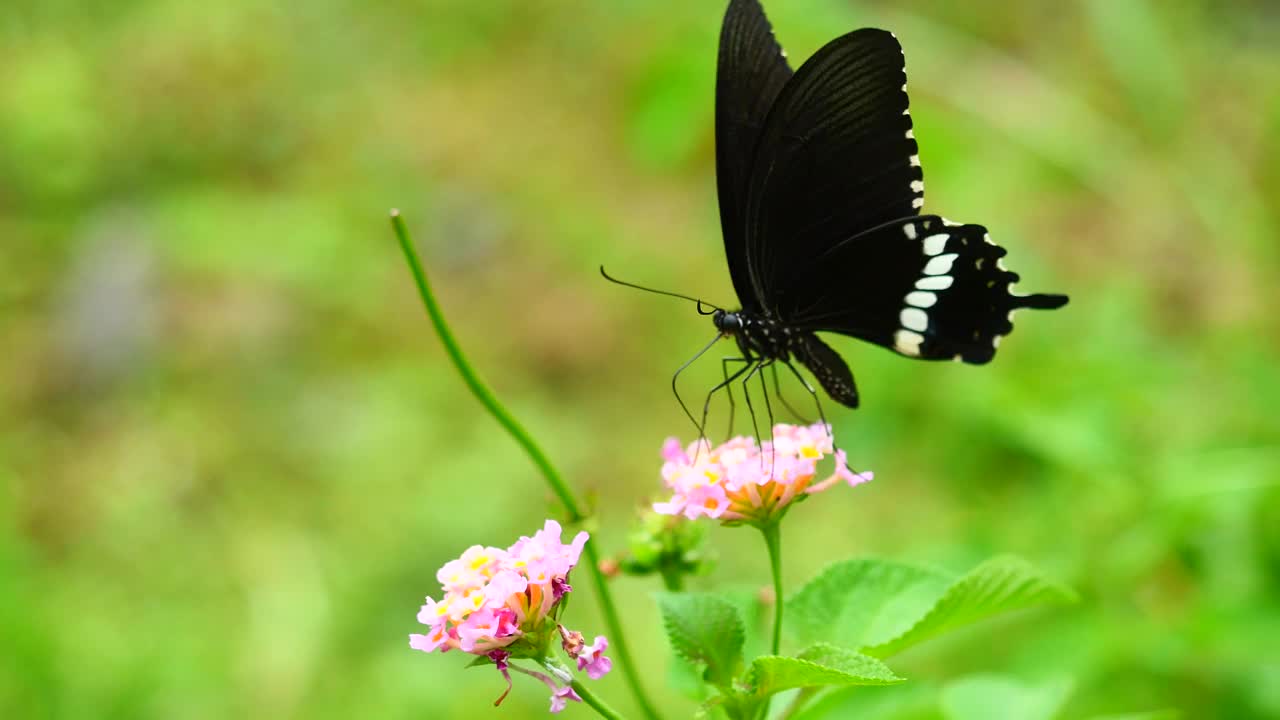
(504, 604)
(742, 482)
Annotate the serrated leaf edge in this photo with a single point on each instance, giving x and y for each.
(753, 681)
(703, 659)
(1068, 596)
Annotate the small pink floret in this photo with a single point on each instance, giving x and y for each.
(593, 660)
(561, 696)
(672, 452)
(739, 481)
(487, 592)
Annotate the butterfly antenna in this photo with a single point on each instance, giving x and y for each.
(624, 283)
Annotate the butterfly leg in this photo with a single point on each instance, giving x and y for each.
(728, 379)
(675, 391)
(822, 417)
(777, 390)
(768, 408)
(816, 400)
(746, 393)
(724, 369)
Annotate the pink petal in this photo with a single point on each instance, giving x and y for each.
(429, 615)
(429, 643)
(849, 476)
(593, 660)
(561, 696)
(574, 549)
(550, 533)
(502, 586)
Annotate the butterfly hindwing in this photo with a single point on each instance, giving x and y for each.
(751, 71)
(923, 287)
(836, 157)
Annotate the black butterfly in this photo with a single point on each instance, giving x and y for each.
(820, 191)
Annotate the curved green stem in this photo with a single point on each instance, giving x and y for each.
(522, 437)
(596, 703)
(773, 540)
(473, 381)
(559, 675)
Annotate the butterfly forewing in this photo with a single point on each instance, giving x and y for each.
(751, 72)
(836, 157)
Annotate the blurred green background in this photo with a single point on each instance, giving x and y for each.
(232, 453)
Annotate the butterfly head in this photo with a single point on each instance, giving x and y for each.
(728, 323)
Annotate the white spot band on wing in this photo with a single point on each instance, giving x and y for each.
(907, 342)
(935, 243)
(940, 265)
(914, 318)
(921, 298)
(937, 282)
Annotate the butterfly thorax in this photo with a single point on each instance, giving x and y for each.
(757, 336)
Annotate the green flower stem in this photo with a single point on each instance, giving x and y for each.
(773, 540)
(596, 703)
(772, 532)
(473, 381)
(672, 577)
(558, 486)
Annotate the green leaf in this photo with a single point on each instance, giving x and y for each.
(997, 586)
(865, 602)
(819, 666)
(686, 679)
(883, 607)
(757, 617)
(704, 629)
(995, 697)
